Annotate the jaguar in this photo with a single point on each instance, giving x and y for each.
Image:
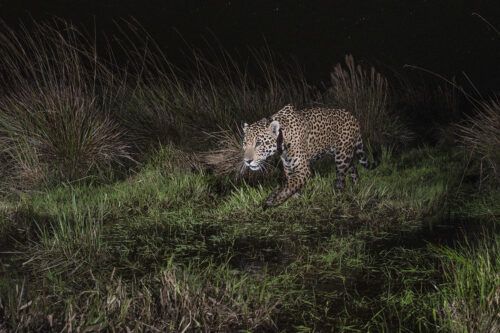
(300, 137)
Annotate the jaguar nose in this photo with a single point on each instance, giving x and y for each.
(248, 161)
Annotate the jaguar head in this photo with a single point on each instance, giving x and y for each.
(261, 140)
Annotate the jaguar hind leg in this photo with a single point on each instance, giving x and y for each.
(353, 172)
(343, 159)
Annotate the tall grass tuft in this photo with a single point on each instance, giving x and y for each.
(55, 122)
(480, 136)
(227, 158)
(471, 298)
(366, 93)
(71, 242)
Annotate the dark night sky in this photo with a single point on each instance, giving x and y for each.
(441, 35)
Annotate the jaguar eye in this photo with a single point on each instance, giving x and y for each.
(258, 143)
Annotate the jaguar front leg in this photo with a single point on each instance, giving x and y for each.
(269, 202)
(296, 177)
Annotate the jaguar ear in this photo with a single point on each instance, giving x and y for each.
(245, 128)
(274, 127)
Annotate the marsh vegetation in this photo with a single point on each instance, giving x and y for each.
(123, 209)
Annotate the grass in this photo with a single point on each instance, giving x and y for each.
(55, 115)
(479, 135)
(171, 249)
(367, 94)
(109, 220)
(470, 300)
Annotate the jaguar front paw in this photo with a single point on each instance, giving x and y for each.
(268, 203)
(340, 185)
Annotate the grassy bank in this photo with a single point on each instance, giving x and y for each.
(120, 209)
(408, 249)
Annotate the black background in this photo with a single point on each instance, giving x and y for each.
(440, 35)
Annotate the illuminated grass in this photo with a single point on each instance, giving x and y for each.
(161, 248)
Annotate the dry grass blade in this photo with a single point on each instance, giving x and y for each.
(480, 136)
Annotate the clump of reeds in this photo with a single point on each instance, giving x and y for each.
(55, 121)
(366, 94)
(227, 158)
(480, 136)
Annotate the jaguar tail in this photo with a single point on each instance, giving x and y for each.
(363, 158)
